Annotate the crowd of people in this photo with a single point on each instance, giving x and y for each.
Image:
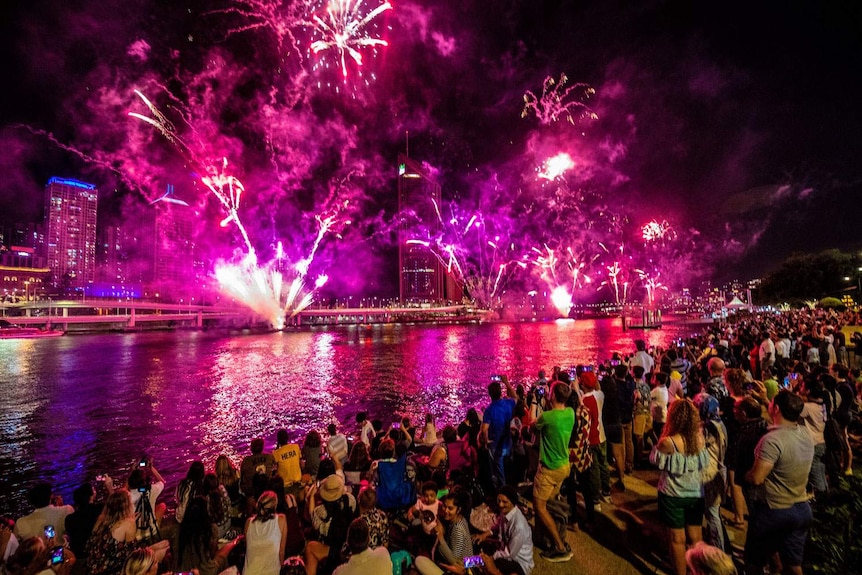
(752, 414)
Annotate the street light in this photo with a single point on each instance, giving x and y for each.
(26, 291)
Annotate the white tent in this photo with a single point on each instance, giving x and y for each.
(736, 303)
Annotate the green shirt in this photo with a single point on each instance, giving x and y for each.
(555, 428)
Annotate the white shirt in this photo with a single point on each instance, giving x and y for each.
(370, 562)
(33, 525)
(642, 359)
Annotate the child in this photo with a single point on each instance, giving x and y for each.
(424, 513)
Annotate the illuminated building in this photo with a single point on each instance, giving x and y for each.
(22, 274)
(70, 232)
(422, 277)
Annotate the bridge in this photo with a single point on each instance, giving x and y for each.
(121, 315)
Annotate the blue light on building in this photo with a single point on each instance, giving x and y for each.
(73, 183)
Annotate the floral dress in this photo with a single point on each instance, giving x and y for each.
(106, 555)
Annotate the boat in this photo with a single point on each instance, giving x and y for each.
(12, 331)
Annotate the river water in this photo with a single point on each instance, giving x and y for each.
(78, 406)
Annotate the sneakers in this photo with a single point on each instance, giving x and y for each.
(557, 556)
(848, 472)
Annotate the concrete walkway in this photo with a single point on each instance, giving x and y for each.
(628, 538)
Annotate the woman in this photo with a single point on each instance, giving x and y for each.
(681, 457)
(190, 487)
(218, 504)
(113, 538)
(311, 453)
(196, 544)
(265, 536)
(358, 464)
(453, 535)
(435, 465)
(228, 476)
(141, 562)
(330, 519)
(33, 557)
(429, 432)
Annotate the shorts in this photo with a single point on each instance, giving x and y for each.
(614, 434)
(641, 423)
(678, 512)
(547, 482)
(782, 530)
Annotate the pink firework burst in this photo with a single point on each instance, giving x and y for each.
(655, 231)
(345, 29)
(554, 167)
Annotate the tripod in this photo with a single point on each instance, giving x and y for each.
(146, 519)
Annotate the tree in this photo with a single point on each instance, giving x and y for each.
(806, 276)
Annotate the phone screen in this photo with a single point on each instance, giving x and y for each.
(57, 555)
(473, 561)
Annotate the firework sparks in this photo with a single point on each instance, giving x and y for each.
(555, 167)
(655, 231)
(651, 284)
(260, 287)
(344, 30)
(559, 101)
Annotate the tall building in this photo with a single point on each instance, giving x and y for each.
(422, 277)
(70, 232)
(174, 245)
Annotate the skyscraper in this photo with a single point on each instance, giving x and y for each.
(70, 231)
(422, 277)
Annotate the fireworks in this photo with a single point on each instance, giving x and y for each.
(655, 231)
(344, 30)
(651, 284)
(559, 101)
(555, 167)
(261, 287)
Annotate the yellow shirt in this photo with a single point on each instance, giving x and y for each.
(287, 458)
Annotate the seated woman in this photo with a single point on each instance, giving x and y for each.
(196, 542)
(333, 510)
(228, 477)
(218, 504)
(358, 464)
(436, 465)
(114, 537)
(453, 536)
(265, 536)
(311, 453)
(190, 487)
(33, 557)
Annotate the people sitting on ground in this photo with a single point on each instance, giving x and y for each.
(228, 477)
(377, 520)
(79, 525)
(358, 464)
(265, 538)
(511, 534)
(189, 488)
(333, 510)
(364, 559)
(145, 484)
(45, 513)
(35, 557)
(196, 542)
(336, 445)
(256, 463)
(311, 453)
(423, 516)
(453, 535)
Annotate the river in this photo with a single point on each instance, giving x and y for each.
(78, 406)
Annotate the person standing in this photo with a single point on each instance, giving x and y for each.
(780, 515)
(496, 421)
(554, 429)
(593, 400)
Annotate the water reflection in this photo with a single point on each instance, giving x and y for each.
(78, 406)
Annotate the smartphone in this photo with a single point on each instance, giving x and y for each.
(396, 425)
(496, 378)
(588, 368)
(57, 555)
(142, 463)
(473, 561)
(615, 362)
(49, 531)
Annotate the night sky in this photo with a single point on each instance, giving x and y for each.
(737, 123)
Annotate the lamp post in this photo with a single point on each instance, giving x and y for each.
(27, 291)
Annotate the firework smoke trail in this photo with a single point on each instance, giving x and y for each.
(259, 287)
(559, 101)
(282, 18)
(344, 30)
(614, 283)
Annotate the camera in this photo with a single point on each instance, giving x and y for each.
(540, 391)
(49, 531)
(57, 555)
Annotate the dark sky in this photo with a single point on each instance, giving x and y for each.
(737, 122)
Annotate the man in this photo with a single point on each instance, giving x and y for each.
(257, 462)
(45, 514)
(79, 525)
(145, 479)
(612, 421)
(781, 514)
(641, 357)
(626, 397)
(715, 385)
(496, 421)
(287, 460)
(554, 428)
(766, 353)
(366, 430)
(681, 365)
(642, 418)
(515, 554)
(843, 413)
(364, 560)
(336, 445)
(593, 400)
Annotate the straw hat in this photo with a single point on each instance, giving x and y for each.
(331, 488)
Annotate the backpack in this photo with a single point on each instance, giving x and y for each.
(580, 455)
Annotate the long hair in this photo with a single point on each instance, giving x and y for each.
(30, 558)
(684, 420)
(139, 562)
(195, 532)
(193, 484)
(225, 471)
(312, 439)
(214, 498)
(118, 506)
(358, 459)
